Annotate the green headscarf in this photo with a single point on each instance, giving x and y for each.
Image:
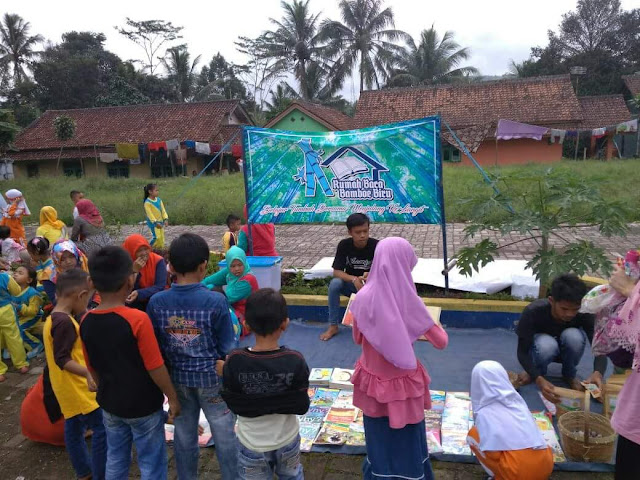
(236, 253)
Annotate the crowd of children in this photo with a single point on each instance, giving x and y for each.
(120, 341)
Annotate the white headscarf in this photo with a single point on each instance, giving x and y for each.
(12, 195)
(502, 417)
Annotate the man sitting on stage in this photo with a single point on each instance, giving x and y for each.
(553, 330)
(350, 267)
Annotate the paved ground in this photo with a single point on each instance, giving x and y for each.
(304, 245)
(301, 246)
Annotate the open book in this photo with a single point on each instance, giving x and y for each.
(347, 319)
(346, 167)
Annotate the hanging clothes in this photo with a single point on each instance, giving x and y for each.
(509, 130)
(127, 151)
(189, 144)
(599, 132)
(108, 157)
(557, 135)
(143, 153)
(203, 148)
(627, 127)
(181, 156)
(155, 146)
(173, 144)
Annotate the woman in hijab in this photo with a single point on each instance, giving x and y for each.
(66, 256)
(89, 231)
(150, 269)
(263, 238)
(390, 385)
(12, 215)
(50, 227)
(505, 439)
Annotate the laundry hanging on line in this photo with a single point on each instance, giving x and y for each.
(127, 150)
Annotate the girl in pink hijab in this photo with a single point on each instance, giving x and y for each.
(390, 385)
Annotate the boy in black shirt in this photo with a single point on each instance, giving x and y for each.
(553, 330)
(350, 267)
(266, 387)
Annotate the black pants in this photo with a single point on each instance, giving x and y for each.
(627, 460)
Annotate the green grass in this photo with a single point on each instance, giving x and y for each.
(210, 199)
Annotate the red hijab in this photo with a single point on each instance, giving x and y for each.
(263, 236)
(88, 211)
(132, 244)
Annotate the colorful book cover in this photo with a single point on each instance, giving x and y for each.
(359, 417)
(355, 437)
(308, 433)
(320, 376)
(347, 319)
(332, 434)
(453, 399)
(325, 397)
(550, 436)
(455, 442)
(341, 415)
(437, 399)
(344, 400)
(433, 419)
(341, 379)
(315, 415)
(311, 391)
(434, 444)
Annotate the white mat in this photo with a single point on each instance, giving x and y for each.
(493, 278)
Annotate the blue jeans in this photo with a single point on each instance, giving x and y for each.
(147, 433)
(284, 462)
(338, 287)
(74, 430)
(222, 422)
(567, 350)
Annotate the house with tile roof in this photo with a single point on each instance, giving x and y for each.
(473, 111)
(604, 110)
(98, 130)
(303, 116)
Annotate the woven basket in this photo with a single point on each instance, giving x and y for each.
(580, 447)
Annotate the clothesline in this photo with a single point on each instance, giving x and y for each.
(136, 153)
(508, 130)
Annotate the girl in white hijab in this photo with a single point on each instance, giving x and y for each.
(505, 439)
(12, 215)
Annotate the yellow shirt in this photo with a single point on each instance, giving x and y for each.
(72, 391)
(7, 312)
(50, 233)
(154, 209)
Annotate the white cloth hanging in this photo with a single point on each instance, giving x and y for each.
(108, 157)
(173, 144)
(203, 148)
(557, 134)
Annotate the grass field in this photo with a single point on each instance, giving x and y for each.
(209, 200)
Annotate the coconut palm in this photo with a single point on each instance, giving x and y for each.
(432, 60)
(365, 37)
(181, 70)
(295, 42)
(16, 45)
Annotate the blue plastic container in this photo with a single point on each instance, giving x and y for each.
(267, 270)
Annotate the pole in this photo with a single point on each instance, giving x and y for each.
(443, 222)
(245, 174)
(577, 140)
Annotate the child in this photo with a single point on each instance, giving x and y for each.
(267, 403)
(66, 256)
(123, 354)
(76, 196)
(240, 282)
(13, 213)
(72, 383)
(352, 262)
(505, 439)
(390, 386)
(263, 238)
(38, 248)
(156, 215)
(51, 227)
(194, 330)
(9, 331)
(230, 238)
(28, 306)
(150, 269)
(12, 251)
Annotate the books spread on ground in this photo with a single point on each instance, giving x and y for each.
(320, 376)
(341, 379)
(347, 319)
(456, 418)
(332, 434)
(550, 435)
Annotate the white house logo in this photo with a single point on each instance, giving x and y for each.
(356, 175)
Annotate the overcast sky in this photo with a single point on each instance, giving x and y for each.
(496, 30)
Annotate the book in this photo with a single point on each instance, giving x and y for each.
(344, 400)
(320, 376)
(308, 433)
(346, 167)
(355, 437)
(341, 379)
(454, 442)
(315, 415)
(311, 391)
(550, 436)
(332, 434)
(433, 419)
(341, 415)
(437, 399)
(325, 397)
(434, 444)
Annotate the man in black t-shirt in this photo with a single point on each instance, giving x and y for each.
(350, 267)
(552, 330)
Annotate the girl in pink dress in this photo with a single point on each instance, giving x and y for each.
(390, 385)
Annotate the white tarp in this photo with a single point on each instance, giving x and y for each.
(492, 278)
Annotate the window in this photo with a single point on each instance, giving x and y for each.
(72, 168)
(450, 154)
(33, 170)
(118, 170)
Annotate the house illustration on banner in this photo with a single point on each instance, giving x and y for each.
(347, 162)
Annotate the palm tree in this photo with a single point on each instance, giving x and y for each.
(181, 70)
(433, 60)
(366, 37)
(280, 100)
(295, 42)
(16, 45)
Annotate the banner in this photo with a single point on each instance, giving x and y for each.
(390, 173)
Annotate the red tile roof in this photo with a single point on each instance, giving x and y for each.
(633, 83)
(132, 124)
(547, 101)
(604, 110)
(329, 117)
